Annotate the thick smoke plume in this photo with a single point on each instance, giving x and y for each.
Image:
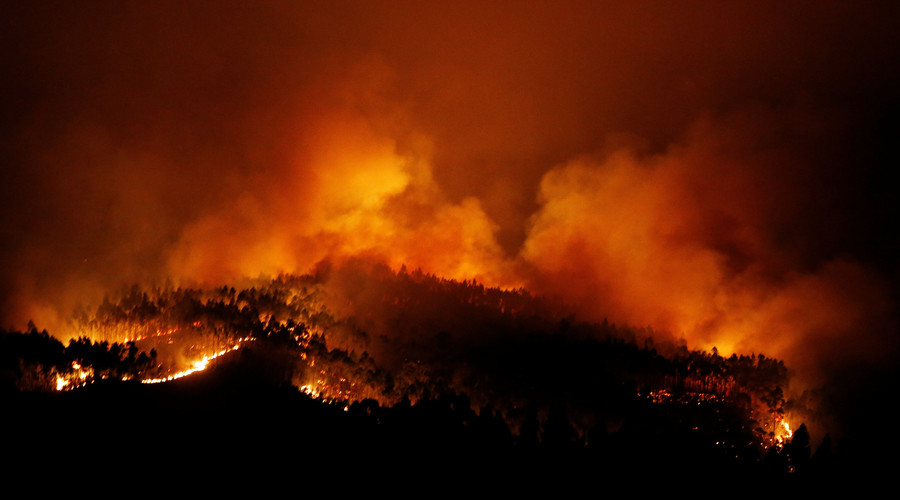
(715, 239)
(718, 173)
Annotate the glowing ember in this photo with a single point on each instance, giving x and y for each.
(80, 376)
(310, 390)
(783, 432)
(199, 365)
(159, 333)
(77, 378)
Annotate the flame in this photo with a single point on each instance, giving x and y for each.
(783, 432)
(159, 333)
(197, 366)
(78, 377)
(787, 429)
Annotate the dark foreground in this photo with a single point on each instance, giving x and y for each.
(228, 420)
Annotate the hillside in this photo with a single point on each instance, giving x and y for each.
(363, 358)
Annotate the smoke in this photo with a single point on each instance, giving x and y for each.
(716, 172)
(724, 239)
(349, 192)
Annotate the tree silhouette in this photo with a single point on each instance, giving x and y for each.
(799, 449)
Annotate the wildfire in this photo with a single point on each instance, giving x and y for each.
(333, 374)
(77, 378)
(159, 333)
(310, 390)
(199, 365)
(783, 432)
(81, 376)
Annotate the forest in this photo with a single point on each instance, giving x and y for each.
(364, 358)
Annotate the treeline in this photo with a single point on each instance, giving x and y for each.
(35, 361)
(139, 314)
(239, 413)
(367, 332)
(355, 334)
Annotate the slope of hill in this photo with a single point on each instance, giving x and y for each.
(364, 360)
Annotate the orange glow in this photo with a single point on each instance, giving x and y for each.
(79, 377)
(783, 433)
(655, 164)
(351, 193)
(672, 242)
(196, 366)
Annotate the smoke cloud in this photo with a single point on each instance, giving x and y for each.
(724, 239)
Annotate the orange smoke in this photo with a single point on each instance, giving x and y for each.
(685, 242)
(348, 192)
